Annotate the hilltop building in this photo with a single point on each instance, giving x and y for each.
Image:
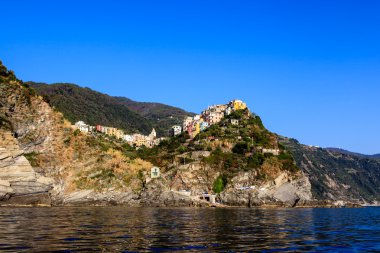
(119, 134)
(234, 122)
(137, 140)
(272, 151)
(204, 125)
(192, 125)
(99, 128)
(237, 105)
(212, 115)
(176, 130)
(152, 135)
(83, 127)
(128, 138)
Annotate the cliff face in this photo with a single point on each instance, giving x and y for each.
(21, 133)
(337, 176)
(19, 182)
(284, 190)
(64, 167)
(44, 161)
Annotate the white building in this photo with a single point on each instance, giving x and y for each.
(271, 151)
(152, 135)
(208, 197)
(228, 111)
(215, 117)
(83, 127)
(129, 138)
(176, 130)
(235, 122)
(155, 172)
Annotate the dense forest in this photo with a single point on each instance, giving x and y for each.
(77, 103)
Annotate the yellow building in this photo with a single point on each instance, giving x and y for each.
(119, 134)
(112, 131)
(139, 140)
(238, 105)
(196, 129)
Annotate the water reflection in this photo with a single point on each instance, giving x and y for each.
(121, 229)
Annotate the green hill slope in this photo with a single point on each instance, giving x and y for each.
(77, 103)
(337, 175)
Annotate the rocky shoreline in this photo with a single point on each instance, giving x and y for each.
(90, 198)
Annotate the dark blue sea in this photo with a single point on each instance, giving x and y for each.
(121, 229)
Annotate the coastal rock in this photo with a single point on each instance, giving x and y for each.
(5, 190)
(19, 182)
(283, 191)
(91, 197)
(157, 193)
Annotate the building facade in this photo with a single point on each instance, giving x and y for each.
(176, 130)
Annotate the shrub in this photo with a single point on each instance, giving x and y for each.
(32, 157)
(182, 149)
(67, 141)
(285, 156)
(240, 148)
(256, 120)
(219, 184)
(256, 160)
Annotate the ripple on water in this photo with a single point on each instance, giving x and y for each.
(120, 229)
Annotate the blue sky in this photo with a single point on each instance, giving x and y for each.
(310, 69)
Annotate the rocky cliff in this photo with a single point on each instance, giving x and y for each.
(337, 176)
(44, 160)
(19, 183)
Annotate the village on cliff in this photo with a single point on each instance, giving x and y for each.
(192, 125)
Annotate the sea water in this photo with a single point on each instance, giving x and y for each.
(125, 229)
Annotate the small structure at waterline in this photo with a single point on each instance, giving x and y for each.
(208, 197)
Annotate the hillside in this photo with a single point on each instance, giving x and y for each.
(337, 175)
(77, 103)
(44, 160)
(42, 155)
(346, 152)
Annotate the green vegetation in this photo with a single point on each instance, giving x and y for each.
(361, 174)
(219, 184)
(76, 132)
(32, 157)
(233, 148)
(8, 76)
(77, 103)
(5, 74)
(98, 178)
(241, 148)
(5, 123)
(256, 160)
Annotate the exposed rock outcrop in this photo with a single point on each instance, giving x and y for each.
(19, 182)
(336, 176)
(282, 191)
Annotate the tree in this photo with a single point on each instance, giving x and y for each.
(219, 184)
(240, 148)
